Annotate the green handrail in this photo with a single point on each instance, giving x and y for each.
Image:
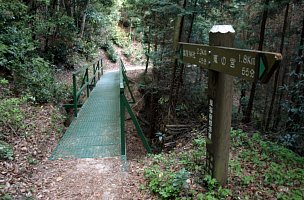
(124, 105)
(89, 74)
(126, 80)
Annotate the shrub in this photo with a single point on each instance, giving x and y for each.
(11, 115)
(119, 37)
(4, 89)
(112, 55)
(62, 92)
(166, 183)
(6, 151)
(37, 78)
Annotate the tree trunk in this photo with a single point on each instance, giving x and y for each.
(180, 76)
(263, 126)
(69, 8)
(247, 117)
(149, 47)
(58, 5)
(269, 118)
(284, 78)
(176, 38)
(84, 16)
(163, 47)
(300, 52)
(191, 23)
(76, 17)
(156, 34)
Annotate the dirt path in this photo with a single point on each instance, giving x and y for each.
(80, 179)
(102, 179)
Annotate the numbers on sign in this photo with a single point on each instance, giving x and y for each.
(244, 71)
(202, 61)
(248, 72)
(202, 52)
(246, 59)
(252, 72)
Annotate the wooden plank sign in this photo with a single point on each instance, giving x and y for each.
(246, 64)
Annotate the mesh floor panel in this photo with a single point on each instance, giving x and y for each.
(95, 133)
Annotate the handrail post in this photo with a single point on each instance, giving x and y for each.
(101, 66)
(124, 105)
(122, 123)
(98, 69)
(137, 126)
(75, 95)
(87, 82)
(94, 74)
(126, 80)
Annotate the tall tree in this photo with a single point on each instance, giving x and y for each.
(300, 52)
(179, 23)
(247, 117)
(276, 79)
(84, 16)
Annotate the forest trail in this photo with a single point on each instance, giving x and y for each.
(88, 178)
(81, 179)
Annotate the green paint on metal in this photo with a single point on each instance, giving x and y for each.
(88, 76)
(122, 123)
(126, 81)
(99, 128)
(95, 132)
(261, 68)
(124, 105)
(137, 126)
(124, 163)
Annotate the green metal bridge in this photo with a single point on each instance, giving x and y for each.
(98, 129)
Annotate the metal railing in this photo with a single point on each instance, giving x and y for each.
(126, 80)
(124, 105)
(89, 75)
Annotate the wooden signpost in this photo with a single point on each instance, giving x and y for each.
(246, 64)
(223, 63)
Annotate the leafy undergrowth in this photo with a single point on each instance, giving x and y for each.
(30, 145)
(28, 133)
(257, 170)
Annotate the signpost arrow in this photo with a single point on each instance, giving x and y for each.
(247, 64)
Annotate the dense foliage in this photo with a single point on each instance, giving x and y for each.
(258, 168)
(179, 89)
(39, 37)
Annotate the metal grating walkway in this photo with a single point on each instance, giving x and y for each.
(95, 133)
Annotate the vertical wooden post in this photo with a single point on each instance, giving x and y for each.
(220, 108)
